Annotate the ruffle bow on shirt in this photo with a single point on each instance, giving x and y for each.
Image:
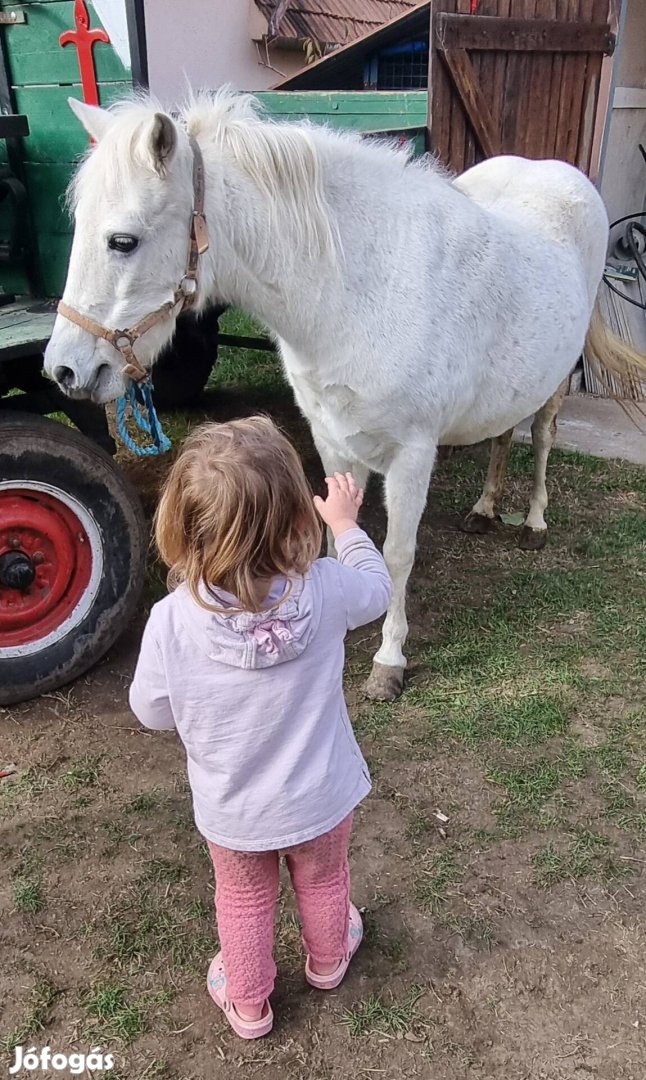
(271, 635)
(256, 639)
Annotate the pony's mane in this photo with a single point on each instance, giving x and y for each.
(283, 159)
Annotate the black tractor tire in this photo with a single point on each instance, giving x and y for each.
(73, 544)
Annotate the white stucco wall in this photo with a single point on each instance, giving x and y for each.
(623, 171)
(208, 43)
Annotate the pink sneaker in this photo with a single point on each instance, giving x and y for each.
(246, 1029)
(355, 935)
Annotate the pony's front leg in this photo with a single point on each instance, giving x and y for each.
(406, 488)
(334, 462)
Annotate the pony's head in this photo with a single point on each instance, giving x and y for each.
(132, 202)
(132, 199)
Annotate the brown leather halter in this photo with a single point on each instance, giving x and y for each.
(185, 294)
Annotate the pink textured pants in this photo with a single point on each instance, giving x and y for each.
(246, 890)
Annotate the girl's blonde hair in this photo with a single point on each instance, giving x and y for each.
(236, 511)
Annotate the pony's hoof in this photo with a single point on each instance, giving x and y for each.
(532, 539)
(385, 683)
(477, 523)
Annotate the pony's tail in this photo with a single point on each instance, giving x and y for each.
(614, 365)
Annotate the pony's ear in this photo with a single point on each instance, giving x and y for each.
(95, 121)
(162, 140)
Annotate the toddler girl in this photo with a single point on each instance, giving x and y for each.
(245, 659)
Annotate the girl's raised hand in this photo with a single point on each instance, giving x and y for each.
(341, 507)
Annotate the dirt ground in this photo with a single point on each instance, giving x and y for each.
(507, 942)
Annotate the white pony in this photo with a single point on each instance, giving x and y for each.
(410, 309)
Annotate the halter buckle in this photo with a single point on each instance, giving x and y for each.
(188, 285)
(123, 339)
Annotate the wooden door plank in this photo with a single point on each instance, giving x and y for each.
(586, 68)
(473, 100)
(567, 93)
(440, 99)
(515, 91)
(484, 65)
(539, 74)
(540, 90)
(528, 118)
(503, 9)
(579, 65)
(457, 116)
(600, 10)
(515, 35)
(471, 150)
(561, 11)
(438, 115)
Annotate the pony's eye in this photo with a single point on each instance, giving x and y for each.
(122, 242)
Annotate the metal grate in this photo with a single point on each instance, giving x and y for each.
(404, 72)
(401, 67)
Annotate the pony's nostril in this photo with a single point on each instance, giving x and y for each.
(64, 376)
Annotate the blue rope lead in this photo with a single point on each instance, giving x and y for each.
(149, 425)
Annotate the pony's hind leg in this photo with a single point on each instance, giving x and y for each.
(483, 515)
(533, 535)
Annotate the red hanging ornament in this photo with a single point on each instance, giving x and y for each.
(85, 39)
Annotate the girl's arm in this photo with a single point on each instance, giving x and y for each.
(149, 699)
(365, 581)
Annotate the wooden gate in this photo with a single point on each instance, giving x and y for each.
(515, 77)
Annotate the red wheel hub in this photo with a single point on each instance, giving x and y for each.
(56, 554)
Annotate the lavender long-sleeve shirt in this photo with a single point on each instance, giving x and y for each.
(257, 700)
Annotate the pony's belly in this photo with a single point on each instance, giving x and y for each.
(501, 405)
(470, 431)
(477, 425)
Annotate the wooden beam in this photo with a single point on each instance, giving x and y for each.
(473, 100)
(489, 32)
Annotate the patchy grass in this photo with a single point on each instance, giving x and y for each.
(435, 881)
(586, 855)
(526, 787)
(477, 930)
(385, 1015)
(83, 774)
(145, 803)
(43, 997)
(112, 1015)
(374, 721)
(394, 947)
(155, 918)
(28, 895)
(163, 871)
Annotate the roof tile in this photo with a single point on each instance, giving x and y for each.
(335, 22)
